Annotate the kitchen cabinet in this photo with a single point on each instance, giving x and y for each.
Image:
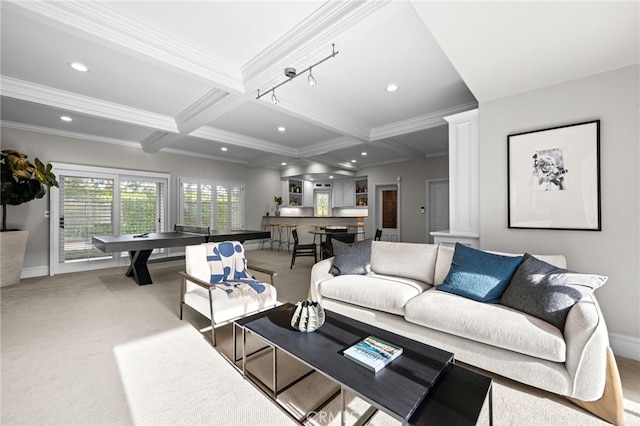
(307, 193)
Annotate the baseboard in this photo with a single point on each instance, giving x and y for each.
(34, 271)
(625, 346)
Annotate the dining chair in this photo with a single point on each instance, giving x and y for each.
(302, 249)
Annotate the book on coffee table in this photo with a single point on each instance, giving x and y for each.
(373, 353)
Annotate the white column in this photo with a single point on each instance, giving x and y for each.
(464, 209)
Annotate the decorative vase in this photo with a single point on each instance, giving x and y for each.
(307, 316)
(277, 212)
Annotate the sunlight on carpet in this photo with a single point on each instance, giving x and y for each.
(175, 377)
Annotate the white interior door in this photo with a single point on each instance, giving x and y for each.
(438, 208)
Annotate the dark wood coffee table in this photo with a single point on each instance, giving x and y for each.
(421, 386)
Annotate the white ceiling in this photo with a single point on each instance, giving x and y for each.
(182, 76)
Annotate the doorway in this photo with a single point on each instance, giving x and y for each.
(388, 211)
(437, 209)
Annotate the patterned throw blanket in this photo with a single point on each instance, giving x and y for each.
(229, 272)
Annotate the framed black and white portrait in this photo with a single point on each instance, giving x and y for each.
(554, 178)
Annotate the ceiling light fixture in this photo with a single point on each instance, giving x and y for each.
(78, 66)
(312, 80)
(66, 118)
(224, 148)
(392, 87)
(284, 163)
(282, 129)
(364, 153)
(291, 73)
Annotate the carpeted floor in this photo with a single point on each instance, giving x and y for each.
(93, 348)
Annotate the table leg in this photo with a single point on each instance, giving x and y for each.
(138, 267)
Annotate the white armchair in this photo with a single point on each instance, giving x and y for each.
(218, 285)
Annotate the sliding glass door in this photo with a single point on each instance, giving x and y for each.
(91, 201)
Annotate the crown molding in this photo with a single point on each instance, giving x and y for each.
(267, 161)
(223, 136)
(84, 105)
(107, 24)
(110, 141)
(416, 124)
(68, 134)
(198, 155)
(393, 145)
(308, 38)
(328, 146)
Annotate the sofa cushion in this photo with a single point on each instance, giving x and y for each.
(379, 292)
(406, 260)
(491, 324)
(479, 275)
(443, 264)
(546, 291)
(352, 259)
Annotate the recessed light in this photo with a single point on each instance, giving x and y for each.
(282, 129)
(224, 148)
(284, 163)
(354, 161)
(330, 177)
(392, 87)
(363, 154)
(66, 118)
(79, 66)
(311, 179)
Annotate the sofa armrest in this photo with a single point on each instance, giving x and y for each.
(319, 273)
(587, 339)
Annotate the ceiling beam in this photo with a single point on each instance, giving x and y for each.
(84, 105)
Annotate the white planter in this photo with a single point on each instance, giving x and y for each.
(13, 245)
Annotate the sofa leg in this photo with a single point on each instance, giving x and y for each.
(610, 406)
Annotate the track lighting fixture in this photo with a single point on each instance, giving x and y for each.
(291, 73)
(312, 79)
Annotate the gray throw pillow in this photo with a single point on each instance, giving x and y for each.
(351, 259)
(546, 291)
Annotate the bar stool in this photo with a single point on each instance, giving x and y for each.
(285, 235)
(274, 232)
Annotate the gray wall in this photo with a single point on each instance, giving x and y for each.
(413, 176)
(260, 184)
(612, 97)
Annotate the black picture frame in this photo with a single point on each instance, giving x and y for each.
(553, 178)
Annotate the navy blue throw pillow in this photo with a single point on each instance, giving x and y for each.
(479, 275)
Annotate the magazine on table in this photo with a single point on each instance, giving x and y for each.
(373, 353)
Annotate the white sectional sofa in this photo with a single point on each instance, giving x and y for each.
(399, 292)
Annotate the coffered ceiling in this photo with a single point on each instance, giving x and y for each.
(182, 76)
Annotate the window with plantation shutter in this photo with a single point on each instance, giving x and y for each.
(217, 204)
(86, 209)
(102, 201)
(141, 205)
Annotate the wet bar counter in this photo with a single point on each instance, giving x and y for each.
(304, 224)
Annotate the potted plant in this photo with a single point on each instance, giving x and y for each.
(22, 182)
(278, 201)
